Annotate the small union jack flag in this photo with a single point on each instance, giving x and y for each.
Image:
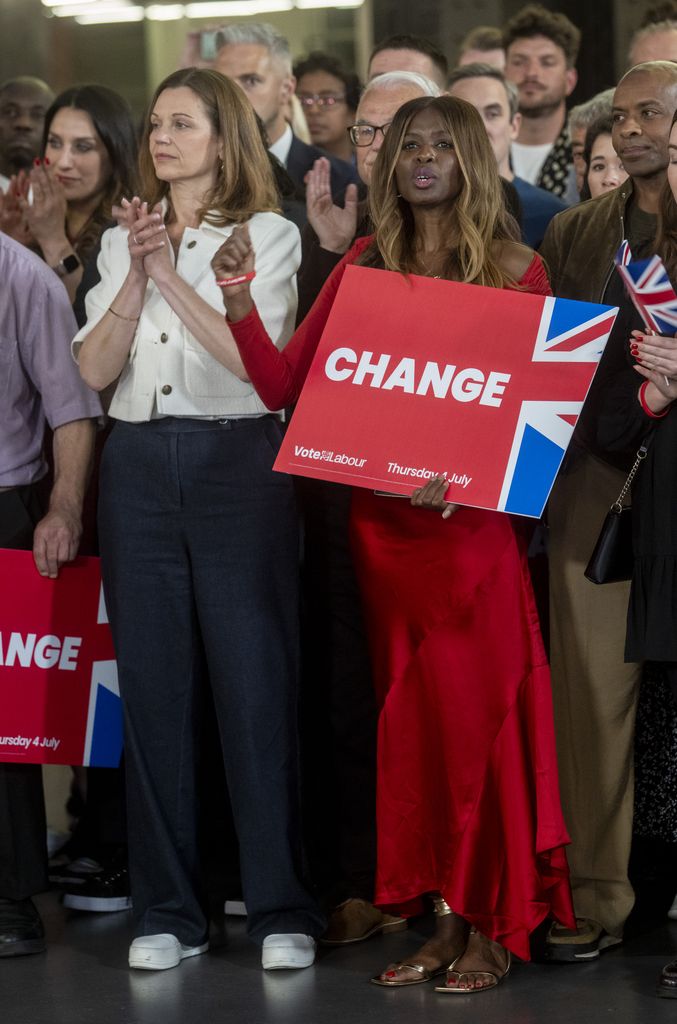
(649, 288)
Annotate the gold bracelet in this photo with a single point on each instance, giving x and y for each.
(132, 319)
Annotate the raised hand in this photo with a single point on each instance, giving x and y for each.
(232, 260)
(334, 226)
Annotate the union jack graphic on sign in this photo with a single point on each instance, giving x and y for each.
(431, 377)
(649, 288)
(569, 332)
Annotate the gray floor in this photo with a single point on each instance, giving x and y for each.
(84, 979)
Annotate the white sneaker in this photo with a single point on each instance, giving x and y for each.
(159, 952)
(287, 951)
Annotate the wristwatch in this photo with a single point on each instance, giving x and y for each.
(67, 265)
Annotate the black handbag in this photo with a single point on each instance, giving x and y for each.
(612, 557)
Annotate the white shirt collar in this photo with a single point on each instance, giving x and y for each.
(281, 148)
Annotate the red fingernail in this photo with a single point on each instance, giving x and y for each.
(47, 160)
(37, 161)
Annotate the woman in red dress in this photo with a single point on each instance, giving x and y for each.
(467, 796)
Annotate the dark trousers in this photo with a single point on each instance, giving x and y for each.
(339, 715)
(23, 845)
(199, 548)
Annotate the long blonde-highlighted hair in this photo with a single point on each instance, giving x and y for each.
(244, 183)
(476, 216)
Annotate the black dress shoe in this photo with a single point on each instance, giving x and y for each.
(667, 983)
(21, 930)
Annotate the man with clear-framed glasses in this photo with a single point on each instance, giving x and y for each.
(328, 95)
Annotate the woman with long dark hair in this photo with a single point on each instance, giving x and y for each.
(468, 805)
(198, 536)
(88, 164)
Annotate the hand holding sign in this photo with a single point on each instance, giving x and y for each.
(431, 495)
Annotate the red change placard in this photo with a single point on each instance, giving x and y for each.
(414, 377)
(59, 696)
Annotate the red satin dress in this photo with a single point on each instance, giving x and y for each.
(467, 788)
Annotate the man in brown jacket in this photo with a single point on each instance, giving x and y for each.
(595, 692)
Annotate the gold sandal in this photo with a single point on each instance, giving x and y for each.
(388, 978)
(426, 975)
(452, 985)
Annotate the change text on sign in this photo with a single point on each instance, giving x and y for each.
(25, 649)
(440, 380)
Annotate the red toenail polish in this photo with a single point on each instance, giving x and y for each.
(390, 974)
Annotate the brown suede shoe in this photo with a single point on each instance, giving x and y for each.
(580, 946)
(355, 920)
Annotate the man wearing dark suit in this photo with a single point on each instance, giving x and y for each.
(258, 59)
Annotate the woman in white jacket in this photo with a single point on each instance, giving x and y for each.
(198, 536)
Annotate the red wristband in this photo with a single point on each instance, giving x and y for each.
(645, 406)
(228, 282)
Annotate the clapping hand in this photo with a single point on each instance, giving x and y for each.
(12, 218)
(431, 496)
(656, 357)
(235, 259)
(147, 238)
(334, 226)
(46, 214)
(125, 214)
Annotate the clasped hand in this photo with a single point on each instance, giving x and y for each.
(656, 357)
(147, 237)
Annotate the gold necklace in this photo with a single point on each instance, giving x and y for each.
(427, 271)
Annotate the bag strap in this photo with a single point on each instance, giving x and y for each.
(641, 455)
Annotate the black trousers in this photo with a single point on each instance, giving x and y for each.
(339, 714)
(23, 845)
(199, 547)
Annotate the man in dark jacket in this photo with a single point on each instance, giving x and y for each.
(258, 59)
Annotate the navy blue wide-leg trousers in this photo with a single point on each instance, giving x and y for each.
(199, 544)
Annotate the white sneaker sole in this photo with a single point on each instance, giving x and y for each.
(148, 959)
(284, 962)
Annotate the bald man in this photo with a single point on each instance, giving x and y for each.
(595, 691)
